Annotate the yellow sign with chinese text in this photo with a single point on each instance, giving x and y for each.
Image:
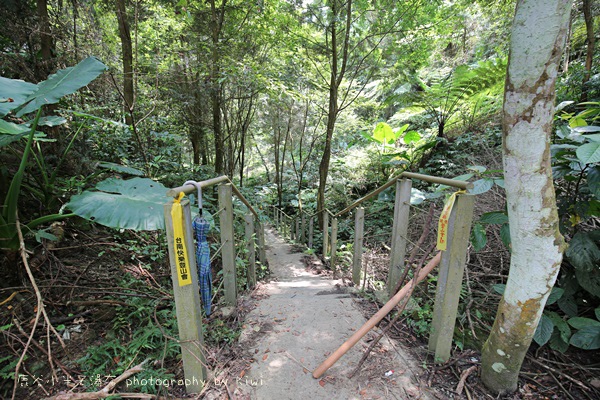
(181, 256)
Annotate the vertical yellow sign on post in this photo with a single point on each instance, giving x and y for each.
(442, 241)
(181, 256)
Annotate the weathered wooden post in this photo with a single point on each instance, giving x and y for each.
(297, 236)
(262, 251)
(187, 298)
(334, 229)
(359, 225)
(399, 232)
(450, 277)
(325, 233)
(303, 228)
(292, 228)
(311, 231)
(250, 245)
(228, 245)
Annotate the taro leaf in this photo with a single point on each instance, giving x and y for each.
(51, 120)
(481, 186)
(16, 90)
(589, 153)
(544, 330)
(123, 204)
(478, 237)
(555, 294)
(120, 168)
(583, 252)
(593, 181)
(12, 129)
(411, 136)
(416, 196)
(383, 133)
(494, 217)
(587, 338)
(5, 140)
(62, 83)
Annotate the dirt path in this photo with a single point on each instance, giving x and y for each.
(302, 319)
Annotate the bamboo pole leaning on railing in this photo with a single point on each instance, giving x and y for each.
(389, 306)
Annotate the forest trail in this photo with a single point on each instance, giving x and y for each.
(299, 321)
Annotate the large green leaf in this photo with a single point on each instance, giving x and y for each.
(589, 280)
(544, 330)
(481, 186)
(411, 136)
(12, 129)
(589, 153)
(561, 324)
(62, 83)
(583, 252)
(13, 93)
(383, 133)
(587, 338)
(123, 204)
(582, 322)
(593, 181)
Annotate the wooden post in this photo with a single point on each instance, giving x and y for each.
(262, 251)
(297, 236)
(325, 233)
(311, 231)
(334, 229)
(399, 232)
(250, 243)
(292, 228)
(359, 225)
(187, 303)
(450, 277)
(228, 245)
(303, 228)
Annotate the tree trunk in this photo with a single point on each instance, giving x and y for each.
(591, 40)
(46, 42)
(127, 49)
(216, 24)
(537, 43)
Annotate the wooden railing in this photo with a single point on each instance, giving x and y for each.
(453, 258)
(187, 298)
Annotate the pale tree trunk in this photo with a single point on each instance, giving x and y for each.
(537, 42)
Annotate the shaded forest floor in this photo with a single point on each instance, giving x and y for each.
(108, 296)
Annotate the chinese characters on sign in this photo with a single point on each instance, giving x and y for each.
(181, 255)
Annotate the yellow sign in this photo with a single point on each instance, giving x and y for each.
(442, 241)
(181, 255)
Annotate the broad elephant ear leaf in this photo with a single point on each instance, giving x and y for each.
(64, 82)
(123, 204)
(14, 92)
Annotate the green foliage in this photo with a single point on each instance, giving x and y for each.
(29, 98)
(123, 204)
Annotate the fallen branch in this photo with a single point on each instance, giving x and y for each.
(105, 392)
(463, 379)
(389, 306)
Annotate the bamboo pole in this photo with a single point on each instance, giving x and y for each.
(343, 349)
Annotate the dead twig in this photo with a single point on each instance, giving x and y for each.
(549, 368)
(463, 379)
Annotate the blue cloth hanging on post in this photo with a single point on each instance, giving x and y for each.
(201, 227)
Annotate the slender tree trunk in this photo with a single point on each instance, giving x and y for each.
(591, 41)
(216, 24)
(127, 49)
(537, 43)
(46, 42)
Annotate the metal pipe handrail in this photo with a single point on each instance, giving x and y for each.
(412, 175)
(189, 188)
